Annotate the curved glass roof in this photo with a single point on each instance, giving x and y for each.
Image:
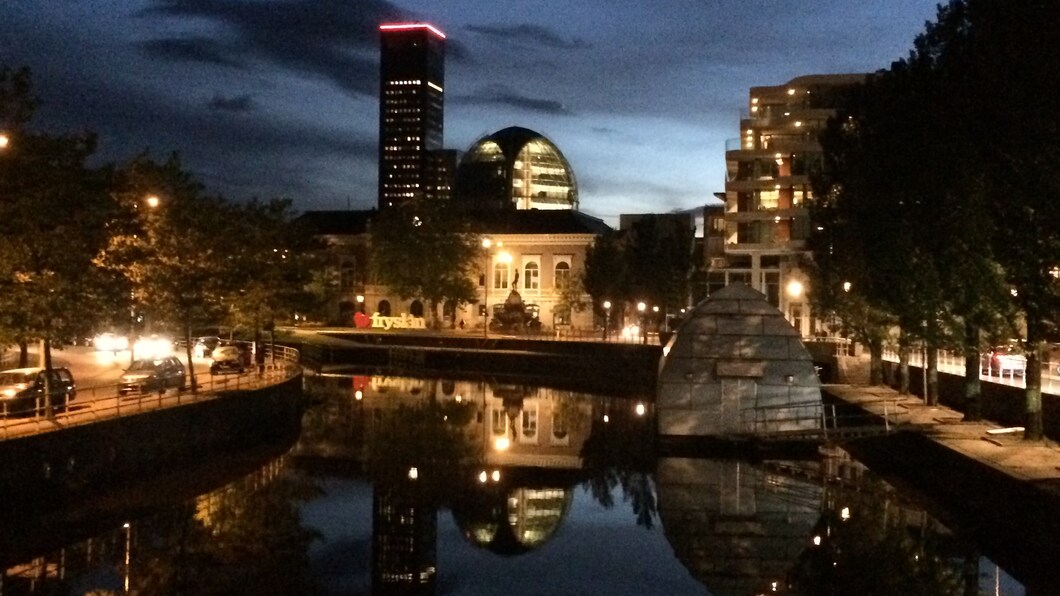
(516, 168)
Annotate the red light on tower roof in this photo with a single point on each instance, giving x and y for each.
(409, 26)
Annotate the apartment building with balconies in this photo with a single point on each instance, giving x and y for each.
(765, 221)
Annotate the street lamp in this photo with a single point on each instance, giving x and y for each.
(4, 140)
(486, 244)
(607, 317)
(152, 201)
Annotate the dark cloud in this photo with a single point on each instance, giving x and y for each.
(189, 49)
(500, 95)
(333, 39)
(239, 103)
(533, 34)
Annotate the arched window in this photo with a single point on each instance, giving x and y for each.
(500, 276)
(416, 308)
(347, 275)
(562, 274)
(384, 308)
(531, 276)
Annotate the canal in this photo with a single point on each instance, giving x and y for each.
(406, 485)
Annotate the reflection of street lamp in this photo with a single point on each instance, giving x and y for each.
(641, 307)
(607, 317)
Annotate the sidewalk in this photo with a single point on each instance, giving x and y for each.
(1005, 452)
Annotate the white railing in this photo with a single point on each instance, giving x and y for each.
(93, 404)
(953, 363)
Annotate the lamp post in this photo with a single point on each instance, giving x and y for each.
(486, 244)
(607, 317)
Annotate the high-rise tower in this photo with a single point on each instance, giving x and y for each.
(411, 106)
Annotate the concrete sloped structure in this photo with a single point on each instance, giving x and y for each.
(736, 368)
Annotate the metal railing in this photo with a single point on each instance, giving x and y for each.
(953, 363)
(93, 404)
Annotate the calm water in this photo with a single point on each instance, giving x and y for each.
(421, 486)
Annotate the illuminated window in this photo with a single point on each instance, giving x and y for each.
(528, 429)
(562, 272)
(500, 276)
(531, 276)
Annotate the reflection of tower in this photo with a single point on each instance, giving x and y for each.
(404, 533)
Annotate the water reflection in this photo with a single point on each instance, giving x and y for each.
(504, 475)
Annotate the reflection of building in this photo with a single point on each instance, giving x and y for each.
(516, 168)
(737, 527)
(515, 521)
(767, 190)
(404, 538)
(411, 96)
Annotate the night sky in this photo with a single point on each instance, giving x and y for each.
(277, 98)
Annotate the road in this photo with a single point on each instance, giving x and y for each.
(97, 373)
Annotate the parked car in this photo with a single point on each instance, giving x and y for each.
(228, 358)
(1007, 359)
(149, 375)
(22, 390)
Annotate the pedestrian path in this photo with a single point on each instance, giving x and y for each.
(990, 444)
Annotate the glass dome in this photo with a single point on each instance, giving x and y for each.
(516, 168)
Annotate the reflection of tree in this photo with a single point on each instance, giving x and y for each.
(239, 540)
(876, 552)
(621, 452)
(428, 437)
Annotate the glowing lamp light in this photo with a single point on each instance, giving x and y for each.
(495, 476)
(502, 444)
(504, 257)
(607, 305)
(794, 288)
(358, 395)
(844, 513)
(640, 409)
(152, 201)
(817, 541)
(413, 473)
(411, 27)
(4, 141)
(607, 418)
(846, 286)
(482, 477)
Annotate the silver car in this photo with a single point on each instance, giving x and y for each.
(151, 375)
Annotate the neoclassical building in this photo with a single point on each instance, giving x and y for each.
(519, 194)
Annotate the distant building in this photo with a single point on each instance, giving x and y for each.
(516, 168)
(534, 253)
(411, 106)
(767, 189)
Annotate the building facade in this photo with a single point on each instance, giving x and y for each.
(411, 107)
(765, 221)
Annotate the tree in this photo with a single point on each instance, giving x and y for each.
(658, 253)
(270, 267)
(423, 251)
(605, 274)
(53, 211)
(177, 248)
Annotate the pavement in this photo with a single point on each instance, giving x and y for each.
(1000, 448)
